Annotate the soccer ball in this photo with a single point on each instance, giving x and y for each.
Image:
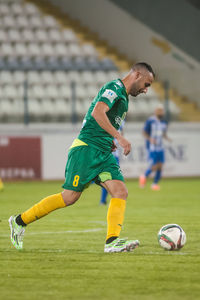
(171, 237)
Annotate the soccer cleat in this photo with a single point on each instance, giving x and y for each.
(121, 245)
(142, 181)
(17, 233)
(155, 187)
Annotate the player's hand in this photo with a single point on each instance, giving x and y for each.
(114, 146)
(152, 141)
(125, 144)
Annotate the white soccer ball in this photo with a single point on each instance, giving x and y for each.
(171, 237)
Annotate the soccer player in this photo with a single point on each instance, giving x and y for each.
(104, 192)
(90, 158)
(155, 129)
(1, 185)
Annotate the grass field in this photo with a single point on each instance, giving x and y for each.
(63, 253)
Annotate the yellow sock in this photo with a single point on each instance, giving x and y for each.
(42, 208)
(115, 217)
(1, 185)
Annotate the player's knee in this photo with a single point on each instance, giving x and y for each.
(122, 193)
(70, 197)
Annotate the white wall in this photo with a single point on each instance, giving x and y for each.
(182, 155)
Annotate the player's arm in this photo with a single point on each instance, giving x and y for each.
(99, 114)
(147, 137)
(166, 137)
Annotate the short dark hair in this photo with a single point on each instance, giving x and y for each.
(143, 65)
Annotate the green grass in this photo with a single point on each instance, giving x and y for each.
(61, 261)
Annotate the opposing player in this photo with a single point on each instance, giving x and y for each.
(90, 158)
(155, 129)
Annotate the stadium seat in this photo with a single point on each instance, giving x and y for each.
(6, 50)
(26, 64)
(87, 77)
(61, 50)
(51, 92)
(20, 50)
(111, 75)
(35, 107)
(60, 77)
(100, 77)
(41, 36)
(21, 22)
(92, 92)
(50, 22)
(16, 9)
(55, 36)
(33, 77)
(68, 36)
(6, 77)
(3, 36)
(4, 9)
(35, 22)
(8, 22)
(74, 76)
(48, 107)
(80, 63)
(47, 77)
(19, 77)
(39, 63)
(36, 92)
(64, 91)
(53, 63)
(74, 50)
(27, 35)
(47, 50)
(14, 36)
(10, 91)
(89, 50)
(80, 92)
(66, 64)
(30, 9)
(93, 64)
(63, 107)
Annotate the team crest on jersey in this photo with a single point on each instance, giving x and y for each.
(119, 120)
(110, 95)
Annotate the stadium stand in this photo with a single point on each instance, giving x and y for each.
(36, 51)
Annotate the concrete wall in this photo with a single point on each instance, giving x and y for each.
(182, 155)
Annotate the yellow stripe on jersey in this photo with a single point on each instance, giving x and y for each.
(77, 143)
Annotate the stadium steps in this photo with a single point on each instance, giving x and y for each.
(189, 110)
(83, 33)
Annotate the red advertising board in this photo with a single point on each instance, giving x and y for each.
(20, 157)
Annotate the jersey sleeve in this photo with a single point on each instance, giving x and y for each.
(109, 96)
(147, 127)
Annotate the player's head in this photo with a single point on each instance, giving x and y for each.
(159, 111)
(142, 76)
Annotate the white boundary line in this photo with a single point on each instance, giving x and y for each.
(66, 231)
(59, 232)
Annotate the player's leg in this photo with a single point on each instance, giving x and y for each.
(152, 166)
(115, 218)
(73, 187)
(158, 174)
(1, 185)
(36, 212)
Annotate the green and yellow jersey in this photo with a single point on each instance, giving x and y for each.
(115, 96)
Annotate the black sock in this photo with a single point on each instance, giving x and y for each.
(111, 239)
(19, 221)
